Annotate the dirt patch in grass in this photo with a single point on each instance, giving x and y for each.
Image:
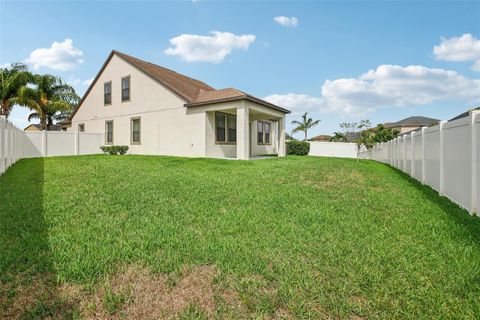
(38, 298)
(135, 293)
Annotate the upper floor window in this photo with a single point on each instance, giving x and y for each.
(225, 128)
(126, 88)
(263, 132)
(107, 93)
(81, 127)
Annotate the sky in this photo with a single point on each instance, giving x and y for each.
(340, 61)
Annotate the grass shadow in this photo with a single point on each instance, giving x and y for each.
(28, 287)
(469, 224)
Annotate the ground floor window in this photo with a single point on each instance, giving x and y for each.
(135, 127)
(109, 132)
(225, 128)
(263, 132)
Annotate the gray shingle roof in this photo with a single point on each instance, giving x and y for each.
(413, 122)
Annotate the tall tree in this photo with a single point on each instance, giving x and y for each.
(12, 79)
(338, 137)
(48, 98)
(304, 125)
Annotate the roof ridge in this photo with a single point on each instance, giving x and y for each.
(162, 67)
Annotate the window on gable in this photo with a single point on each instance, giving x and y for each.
(126, 88)
(107, 93)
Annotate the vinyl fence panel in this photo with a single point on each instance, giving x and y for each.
(89, 143)
(457, 170)
(432, 157)
(16, 144)
(60, 143)
(408, 154)
(333, 149)
(445, 157)
(476, 164)
(417, 155)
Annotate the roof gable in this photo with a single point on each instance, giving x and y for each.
(192, 91)
(186, 87)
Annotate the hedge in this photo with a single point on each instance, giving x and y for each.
(113, 150)
(298, 148)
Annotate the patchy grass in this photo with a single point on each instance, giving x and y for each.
(138, 237)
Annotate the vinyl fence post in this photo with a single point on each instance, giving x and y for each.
(395, 155)
(442, 158)
(475, 163)
(423, 155)
(44, 143)
(412, 155)
(404, 166)
(77, 142)
(2, 144)
(9, 144)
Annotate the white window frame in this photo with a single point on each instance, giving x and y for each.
(139, 133)
(129, 88)
(106, 132)
(226, 128)
(264, 125)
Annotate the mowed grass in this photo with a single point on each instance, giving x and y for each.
(295, 237)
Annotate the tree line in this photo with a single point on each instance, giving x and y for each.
(48, 97)
(360, 132)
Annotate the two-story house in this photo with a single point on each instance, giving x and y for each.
(155, 110)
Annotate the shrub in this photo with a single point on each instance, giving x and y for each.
(298, 148)
(113, 150)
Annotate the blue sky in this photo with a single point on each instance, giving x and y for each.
(340, 61)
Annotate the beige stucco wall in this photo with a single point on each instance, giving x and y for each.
(405, 129)
(214, 149)
(166, 126)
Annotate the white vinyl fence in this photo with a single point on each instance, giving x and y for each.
(10, 138)
(445, 157)
(333, 149)
(17, 144)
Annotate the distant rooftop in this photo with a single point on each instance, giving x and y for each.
(415, 121)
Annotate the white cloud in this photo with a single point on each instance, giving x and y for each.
(213, 48)
(61, 56)
(286, 21)
(386, 86)
(297, 103)
(76, 82)
(464, 48)
(5, 65)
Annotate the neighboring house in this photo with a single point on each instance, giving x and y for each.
(37, 127)
(322, 137)
(155, 110)
(464, 114)
(411, 123)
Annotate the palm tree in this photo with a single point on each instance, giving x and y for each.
(338, 137)
(50, 98)
(304, 125)
(12, 79)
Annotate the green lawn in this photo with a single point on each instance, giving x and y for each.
(139, 236)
